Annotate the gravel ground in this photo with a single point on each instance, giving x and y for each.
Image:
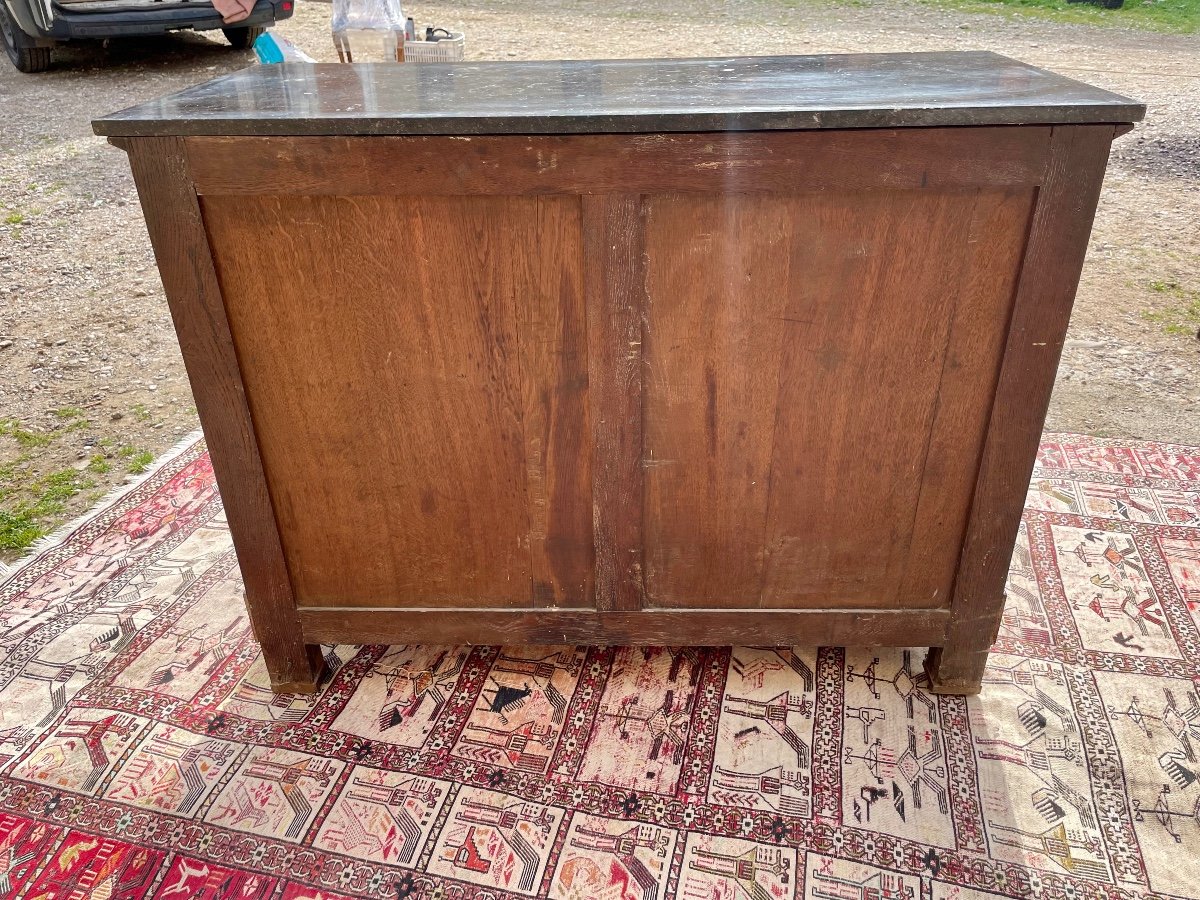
(91, 382)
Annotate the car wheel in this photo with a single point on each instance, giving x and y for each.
(25, 58)
(243, 38)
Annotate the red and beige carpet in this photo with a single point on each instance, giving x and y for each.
(142, 754)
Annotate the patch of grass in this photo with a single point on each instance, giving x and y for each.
(31, 519)
(140, 412)
(13, 475)
(18, 530)
(136, 461)
(56, 487)
(1179, 16)
(8, 471)
(1182, 317)
(23, 436)
(98, 464)
(74, 416)
(139, 462)
(14, 218)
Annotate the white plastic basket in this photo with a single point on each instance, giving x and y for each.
(448, 49)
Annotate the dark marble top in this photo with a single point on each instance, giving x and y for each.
(595, 96)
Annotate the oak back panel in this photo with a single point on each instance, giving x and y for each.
(416, 372)
(819, 371)
(751, 387)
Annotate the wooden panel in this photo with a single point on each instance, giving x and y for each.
(861, 389)
(613, 242)
(557, 426)
(392, 408)
(801, 379)
(718, 284)
(653, 627)
(996, 239)
(176, 229)
(1058, 239)
(787, 162)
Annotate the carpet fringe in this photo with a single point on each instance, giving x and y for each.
(61, 534)
(1079, 437)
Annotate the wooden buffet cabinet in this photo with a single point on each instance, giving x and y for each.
(659, 352)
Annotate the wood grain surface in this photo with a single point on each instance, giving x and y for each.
(775, 162)
(552, 333)
(413, 454)
(815, 367)
(613, 238)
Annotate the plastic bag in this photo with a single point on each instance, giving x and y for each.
(271, 48)
(367, 15)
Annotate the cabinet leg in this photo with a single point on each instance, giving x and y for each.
(294, 668)
(953, 671)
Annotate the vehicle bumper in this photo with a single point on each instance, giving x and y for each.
(68, 25)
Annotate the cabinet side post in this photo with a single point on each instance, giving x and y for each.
(614, 291)
(182, 251)
(1053, 261)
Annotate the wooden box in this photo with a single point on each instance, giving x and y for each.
(671, 352)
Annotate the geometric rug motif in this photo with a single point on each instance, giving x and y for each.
(142, 753)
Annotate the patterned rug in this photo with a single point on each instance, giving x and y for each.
(142, 754)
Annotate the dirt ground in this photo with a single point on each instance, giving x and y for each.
(91, 382)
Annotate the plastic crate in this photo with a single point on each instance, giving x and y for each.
(449, 49)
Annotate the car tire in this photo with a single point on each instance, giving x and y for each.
(17, 46)
(243, 38)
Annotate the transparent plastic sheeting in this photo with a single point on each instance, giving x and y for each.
(367, 15)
